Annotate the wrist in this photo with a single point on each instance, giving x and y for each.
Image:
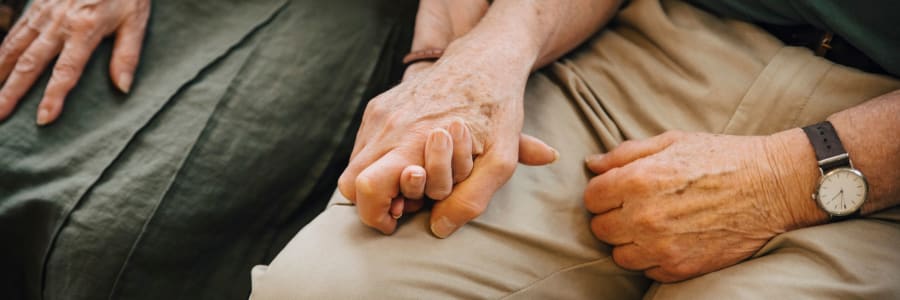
(797, 172)
(413, 70)
(502, 56)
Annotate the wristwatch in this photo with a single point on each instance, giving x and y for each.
(842, 189)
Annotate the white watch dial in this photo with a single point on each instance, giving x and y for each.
(842, 191)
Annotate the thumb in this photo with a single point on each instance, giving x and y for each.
(127, 51)
(470, 198)
(630, 151)
(534, 152)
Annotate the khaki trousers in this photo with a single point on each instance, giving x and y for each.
(660, 65)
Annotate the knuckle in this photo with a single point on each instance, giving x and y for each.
(504, 166)
(346, 188)
(636, 177)
(26, 64)
(374, 108)
(591, 194)
(470, 209)
(647, 218)
(392, 121)
(598, 229)
(82, 18)
(684, 270)
(65, 71)
(365, 186)
(127, 58)
(621, 258)
(12, 44)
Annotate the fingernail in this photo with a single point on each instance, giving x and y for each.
(555, 155)
(398, 216)
(417, 177)
(593, 157)
(125, 79)
(443, 227)
(43, 117)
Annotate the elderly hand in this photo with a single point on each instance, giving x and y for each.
(681, 205)
(72, 29)
(474, 101)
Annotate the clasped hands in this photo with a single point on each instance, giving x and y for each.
(446, 134)
(674, 206)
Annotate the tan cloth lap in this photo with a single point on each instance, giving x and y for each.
(659, 66)
(532, 241)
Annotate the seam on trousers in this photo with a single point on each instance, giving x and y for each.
(802, 109)
(728, 125)
(217, 60)
(557, 272)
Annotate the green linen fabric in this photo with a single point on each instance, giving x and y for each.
(237, 127)
(870, 25)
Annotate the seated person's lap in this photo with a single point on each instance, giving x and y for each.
(534, 240)
(211, 163)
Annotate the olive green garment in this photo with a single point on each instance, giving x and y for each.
(232, 139)
(873, 26)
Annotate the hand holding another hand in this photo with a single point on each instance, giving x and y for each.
(460, 119)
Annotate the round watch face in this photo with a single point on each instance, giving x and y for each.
(842, 191)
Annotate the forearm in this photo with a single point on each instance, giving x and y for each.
(513, 33)
(869, 134)
(542, 31)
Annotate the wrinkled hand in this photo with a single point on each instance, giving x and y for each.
(71, 29)
(439, 120)
(681, 205)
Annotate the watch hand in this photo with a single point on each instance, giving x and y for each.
(844, 205)
(841, 193)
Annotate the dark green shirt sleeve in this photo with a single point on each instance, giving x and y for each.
(873, 26)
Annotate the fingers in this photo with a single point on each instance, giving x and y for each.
(438, 159)
(630, 151)
(16, 42)
(68, 69)
(412, 182)
(396, 210)
(27, 69)
(376, 188)
(602, 193)
(347, 181)
(610, 228)
(462, 151)
(534, 152)
(127, 51)
(470, 198)
(633, 257)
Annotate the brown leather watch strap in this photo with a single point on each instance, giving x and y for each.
(830, 152)
(432, 54)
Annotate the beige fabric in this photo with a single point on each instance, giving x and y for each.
(659, 66)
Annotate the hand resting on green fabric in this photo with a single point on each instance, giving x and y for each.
(72, 30)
